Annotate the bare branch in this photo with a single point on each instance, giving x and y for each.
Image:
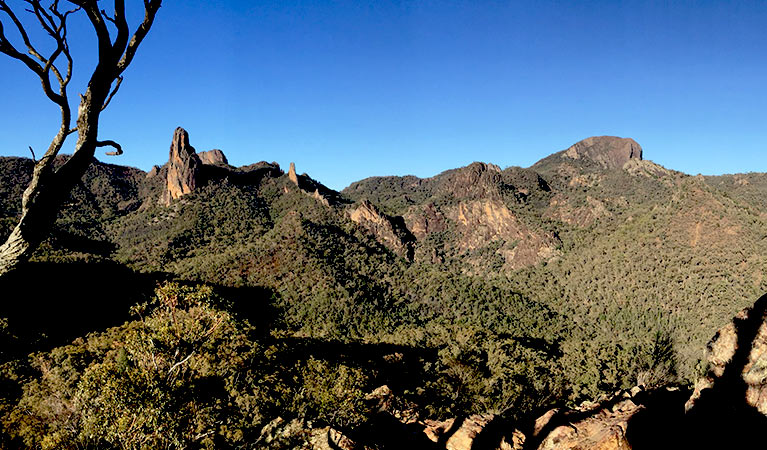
(24, 36)
(174, 366)
(150, 11)
(102, 33)
(118, 148)
(42, 72)
(63, 34)
(112, 94)
(123, 32)
(106, 16)
(34, 160)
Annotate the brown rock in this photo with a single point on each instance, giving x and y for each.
(425, 220)
(213, 157)
(480, 222)
(460, 438)
(330, 439)
(603, 430)
(609, 152)
(183, 168)
(389, 231)
(153, 172)
(292, 174)
(737, 357)
(317, 196)
(475, 180)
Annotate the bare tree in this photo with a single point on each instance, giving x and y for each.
(50, 187)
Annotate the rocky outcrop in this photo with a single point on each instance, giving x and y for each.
(422, 221)
(213, 157)
(630, 419)
(183, 168)
(292, 174)
(312, 188)
(299, 434)
(462, 433)
(649, 169)
(604, 430)
(609, 152)
(475, 180)
(389, 231)
(153, 172)
(737, 357)
(481, 222)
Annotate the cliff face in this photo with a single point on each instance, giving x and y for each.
(596, 152)
(390, 231)
(183, 168)
(609, 152)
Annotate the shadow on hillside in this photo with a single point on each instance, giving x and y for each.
(256, 304)
(49, 304)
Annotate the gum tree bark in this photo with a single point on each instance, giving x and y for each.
(49, 188)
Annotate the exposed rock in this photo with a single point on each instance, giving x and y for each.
(475, 180)
(313, 188)
(649, 169)
(737, 357)
(604, 430)
(183, 168)
(281, 434)
(422, 221)
(299, 434)
(317, 196)
(481, 222)
(608, 151)
(213, 157)
(458, 436)
(330, 439)
(390, 231)
(292, 174)
(153, 172)
(260, 165)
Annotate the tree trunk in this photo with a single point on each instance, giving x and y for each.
(48, 190)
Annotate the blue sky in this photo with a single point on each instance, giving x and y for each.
(351, 89)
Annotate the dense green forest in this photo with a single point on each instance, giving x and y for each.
(259, 296)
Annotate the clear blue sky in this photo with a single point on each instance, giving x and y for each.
(350, 89)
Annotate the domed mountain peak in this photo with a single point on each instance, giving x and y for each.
(610, 152)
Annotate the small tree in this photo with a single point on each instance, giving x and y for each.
(50, 187)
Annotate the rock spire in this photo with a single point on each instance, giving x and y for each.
(183, 168)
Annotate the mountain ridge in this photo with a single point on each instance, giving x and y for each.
(502, 289)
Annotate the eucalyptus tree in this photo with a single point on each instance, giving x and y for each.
(117, 45)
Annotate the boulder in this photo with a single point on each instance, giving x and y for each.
(459, 434)
(213, 157)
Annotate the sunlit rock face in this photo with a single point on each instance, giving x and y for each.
(183, 168)
(213, 157)
(610, 152)
(390, 231)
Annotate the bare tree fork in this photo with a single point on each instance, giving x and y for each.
(50, 187)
